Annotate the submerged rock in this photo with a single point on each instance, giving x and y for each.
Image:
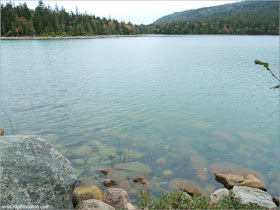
(191, 190)
(110, 182)
(134, 166)
(254, 138)
(141, 180)
(118, 198)
(79, 162)
(248, 195)
(202, 174)
(198, 162)
(201, 125)
(105, 171)
(117, 175)
(187, 186)
(222, 136)
(103, 149)
(94, 204)
(133, 192)
(86, 193)
(136, 174)
(82, 151)
(34, 173)
(167, 173)
(230, 179)
(139, 186)
(125, 185)
(90, 180)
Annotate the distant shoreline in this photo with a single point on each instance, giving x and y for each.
(114, 36)
(69, 37)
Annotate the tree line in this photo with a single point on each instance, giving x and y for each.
(45, 21)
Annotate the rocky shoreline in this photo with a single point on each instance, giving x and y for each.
(35, 174)
(69, 37)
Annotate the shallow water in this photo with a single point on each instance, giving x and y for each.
(172, 105)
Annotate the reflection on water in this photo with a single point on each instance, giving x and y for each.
(172, 109)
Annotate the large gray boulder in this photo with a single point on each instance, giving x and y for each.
(34, 173)
(248, 195)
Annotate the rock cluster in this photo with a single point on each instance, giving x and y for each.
(246, 187)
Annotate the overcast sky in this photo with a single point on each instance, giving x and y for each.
(137, 12)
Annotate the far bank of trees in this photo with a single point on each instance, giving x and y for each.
(45, 21)
(254, 19)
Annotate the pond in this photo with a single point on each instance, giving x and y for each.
(170, 108)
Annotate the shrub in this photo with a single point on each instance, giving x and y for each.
(180, 200)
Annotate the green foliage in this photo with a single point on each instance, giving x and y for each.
(247, 17)
(261, 63)
(230, 202)
(44, 21)
(180, 200)
(258, 62)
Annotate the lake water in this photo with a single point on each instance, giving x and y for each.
(171, 108)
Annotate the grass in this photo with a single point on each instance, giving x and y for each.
(180, 200)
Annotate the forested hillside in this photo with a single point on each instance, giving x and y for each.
(249, 17)
(44, 21)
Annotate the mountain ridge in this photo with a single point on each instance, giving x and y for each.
(214, 11)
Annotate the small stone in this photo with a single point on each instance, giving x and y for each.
(167, 173)
(110, 182)
(105, 171)
(191, 190)
(85, 193)
(118, 198)
(94, 204)
(2, 131)
(219, 195)
(141, 180)
(276, 200)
